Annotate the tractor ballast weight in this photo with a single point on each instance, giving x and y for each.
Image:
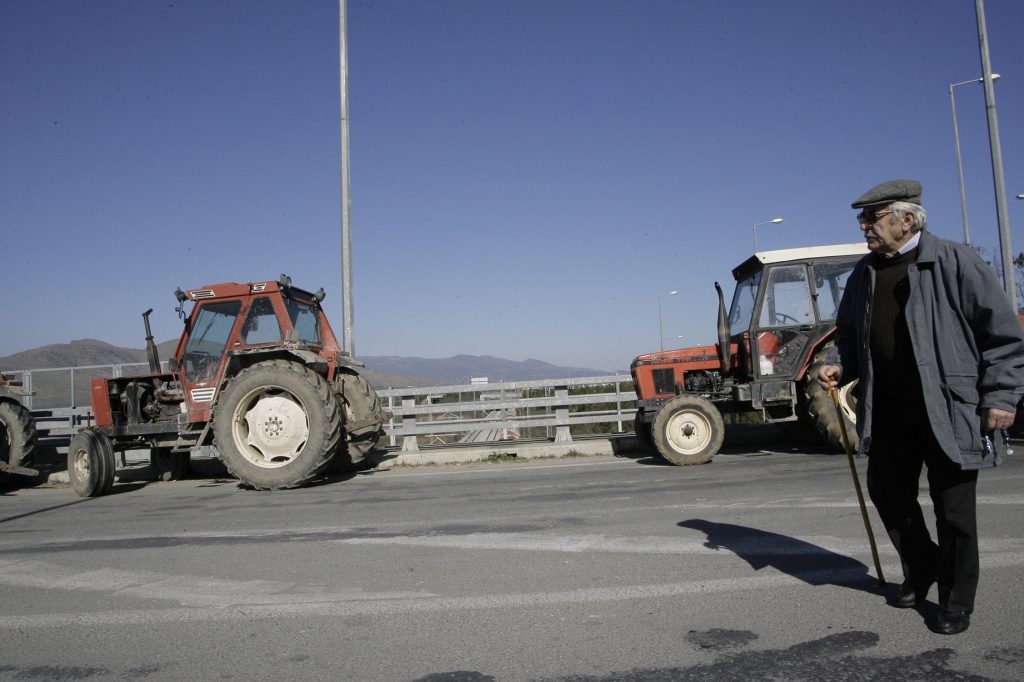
(770, 342)
(258, 373)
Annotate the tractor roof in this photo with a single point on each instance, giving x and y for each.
(234, 289)
(762, 258)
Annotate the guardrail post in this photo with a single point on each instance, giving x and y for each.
(562, 432)
(409, 443)
(26, 383)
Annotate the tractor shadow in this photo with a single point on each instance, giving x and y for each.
(802, 560)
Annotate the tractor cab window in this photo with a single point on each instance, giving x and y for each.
(742, 311)
(211, 327)
(261, 324)
(305, 320)
(829, 283)
(787, 298)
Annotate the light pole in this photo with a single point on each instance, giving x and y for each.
(773, 221)
(999, 183)
(661, 333)
(959, 163)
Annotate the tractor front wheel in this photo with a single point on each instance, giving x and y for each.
(91, 463)
(643, 432)
(688, 430)
(276, 425)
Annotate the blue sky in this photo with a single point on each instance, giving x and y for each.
(527, 177)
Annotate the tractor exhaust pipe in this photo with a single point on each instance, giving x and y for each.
(723, 333)
(151, 352)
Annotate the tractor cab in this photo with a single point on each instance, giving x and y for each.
(784, 305)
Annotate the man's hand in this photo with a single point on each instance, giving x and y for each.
(829, 376)
(993, 418)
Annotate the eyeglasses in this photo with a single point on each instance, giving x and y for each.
(865, 219)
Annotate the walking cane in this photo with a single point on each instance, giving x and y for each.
(856, 485)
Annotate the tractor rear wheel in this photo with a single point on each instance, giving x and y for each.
(168, 465)
(363, 418)
(688, 430)
(91, 463)
(277, 425)
(822, 410)
(18, 435)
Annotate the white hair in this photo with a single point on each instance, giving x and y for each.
(901, 208)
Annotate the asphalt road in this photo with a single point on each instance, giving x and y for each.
(753, 567)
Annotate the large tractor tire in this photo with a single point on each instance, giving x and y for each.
(643, 432)
(277, 425)
(363, 418)
(91, 464)
(822, 410)
(18, 435)
(688, 430)
(168, 465)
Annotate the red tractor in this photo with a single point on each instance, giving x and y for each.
(258, 373)
(781, 321)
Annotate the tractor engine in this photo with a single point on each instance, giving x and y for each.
(703, 381)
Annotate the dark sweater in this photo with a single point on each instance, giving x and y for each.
(898, 401)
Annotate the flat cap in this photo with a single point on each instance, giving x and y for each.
(890, 191)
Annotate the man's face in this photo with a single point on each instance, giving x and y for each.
(883, 230)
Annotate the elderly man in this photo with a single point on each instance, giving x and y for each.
(925, 327)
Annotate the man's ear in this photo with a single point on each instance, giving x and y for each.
(908, 221)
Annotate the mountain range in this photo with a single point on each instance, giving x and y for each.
(381, 371)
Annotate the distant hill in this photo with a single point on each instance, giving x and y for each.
(460, 369)
(381, 371)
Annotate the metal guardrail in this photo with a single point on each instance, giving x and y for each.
(424, 416)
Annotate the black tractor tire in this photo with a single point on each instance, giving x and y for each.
(168, 465)
(276, 425)
(688, 430)
(18, 435)
(359, 403)
(821, 409)
(91, 464)
(643, 432)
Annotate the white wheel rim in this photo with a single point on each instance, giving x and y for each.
(81, 464)
(270, 427)
(688, 432)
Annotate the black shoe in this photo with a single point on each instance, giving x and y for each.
(910, 595)
(952, 622)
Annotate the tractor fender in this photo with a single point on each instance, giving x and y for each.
(241, 359)
(823, 341)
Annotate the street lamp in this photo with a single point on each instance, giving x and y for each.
(959, 163)
(661, 333)
(773, 221)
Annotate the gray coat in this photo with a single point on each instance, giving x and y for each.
(967, 340)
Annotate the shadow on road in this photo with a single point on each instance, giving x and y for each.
(805, 561)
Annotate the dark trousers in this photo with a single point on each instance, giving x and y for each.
(894, 470)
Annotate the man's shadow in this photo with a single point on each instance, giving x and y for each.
(805, 561)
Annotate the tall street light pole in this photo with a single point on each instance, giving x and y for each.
(661, 332)
(348, 341)
(1002, 209)
(959, 162)
(773, 221)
